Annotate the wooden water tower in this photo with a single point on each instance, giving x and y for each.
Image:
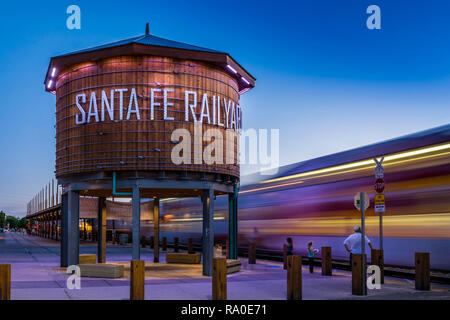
(124, 113)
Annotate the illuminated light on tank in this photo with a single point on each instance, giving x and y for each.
(231, 68)
(49, 84)
(364, 163)
(245, 80)
(53, 72)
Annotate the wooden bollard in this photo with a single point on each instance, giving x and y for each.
(137, 278)
(143, 241)
(251, 253)
(358, 277)
(377, 258)
(285, 256)
(175, 244)
(190, 248)
(422, 261)
(327, 266)
(5, 281)
(164, 243)
(219, 279)
(152, 242)
(294, 278)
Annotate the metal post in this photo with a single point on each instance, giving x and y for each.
(70, 234)
(381, 230)
(136, 223)
(101, 233)
(363, 242)
(379, 174)
(232, 223)
(74, 229)
(156, 229)
(208, 231)
(64, 231)
(235, 226)
(53, 194)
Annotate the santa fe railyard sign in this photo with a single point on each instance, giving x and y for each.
(211, 110)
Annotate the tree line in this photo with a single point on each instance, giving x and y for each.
(13, 222)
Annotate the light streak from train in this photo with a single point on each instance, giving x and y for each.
(433, 225)
(265, 188)
(360, 164)
(193, 219)
(316, 204)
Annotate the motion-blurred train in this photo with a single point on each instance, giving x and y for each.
(313, 201)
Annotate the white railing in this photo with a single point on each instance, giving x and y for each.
(48, 197)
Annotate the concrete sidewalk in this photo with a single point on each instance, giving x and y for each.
(36, 274)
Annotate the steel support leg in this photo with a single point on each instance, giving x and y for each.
(232, 223)
(101, 232)
(156, 230)
(136, 204)
(70, 238)
(208, 231)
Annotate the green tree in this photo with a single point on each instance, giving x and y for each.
(12, 221)
(22, 223)
(2, 219)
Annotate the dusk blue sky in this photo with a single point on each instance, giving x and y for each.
(326, 81)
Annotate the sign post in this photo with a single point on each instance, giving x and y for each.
(362, 202)
(363, 241)
(380, 205)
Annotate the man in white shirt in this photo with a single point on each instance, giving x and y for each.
(353, 242)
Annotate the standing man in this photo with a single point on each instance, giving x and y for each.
(353, 242)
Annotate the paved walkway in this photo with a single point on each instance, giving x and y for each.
(36, 274)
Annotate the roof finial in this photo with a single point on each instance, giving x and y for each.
(147, 29)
